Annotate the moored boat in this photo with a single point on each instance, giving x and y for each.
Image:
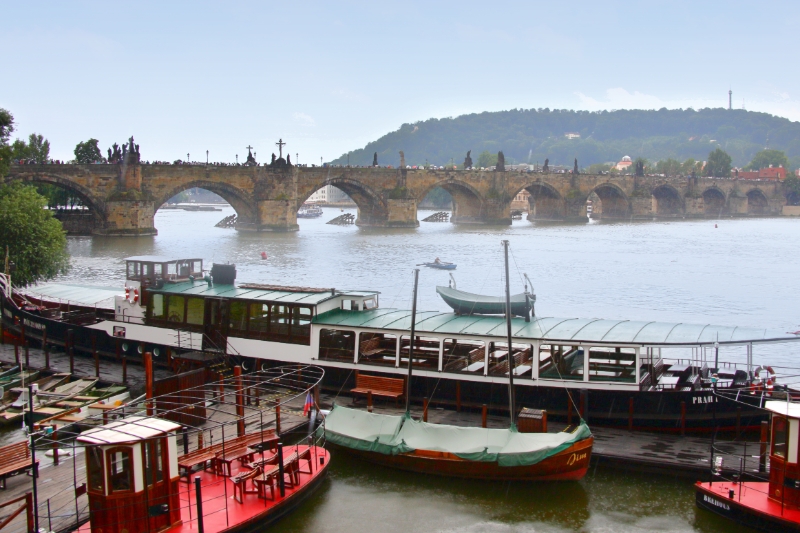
(309, 211)
(773, 503)
(441, 265)
(467, 303)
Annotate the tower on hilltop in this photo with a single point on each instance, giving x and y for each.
(730, 99)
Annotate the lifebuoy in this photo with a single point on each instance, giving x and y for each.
(127, 293)
(767, 382)
(135, 295)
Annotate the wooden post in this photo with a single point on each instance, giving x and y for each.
(55, 446)
(237, 373)
(96, 357)
(29, 511)
(70, 340)
(316, 396)
(200, 440)
(369, 401)
(484, 412)
(277, 418)
(425, 409)
(630, 414)
(148, 381)
(27, 355)
(683, 418)
(46, 349)
(125, 369)
(458, 396)
(762, 459)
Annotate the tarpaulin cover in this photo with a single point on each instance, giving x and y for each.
(392, 435)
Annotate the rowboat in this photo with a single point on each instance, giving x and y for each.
(467, 303)
(440, 265)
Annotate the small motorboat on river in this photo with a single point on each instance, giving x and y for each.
(441, 265)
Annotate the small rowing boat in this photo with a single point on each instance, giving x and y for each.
(467, 303)
(441, 265)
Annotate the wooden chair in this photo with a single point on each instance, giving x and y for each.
(240, 483)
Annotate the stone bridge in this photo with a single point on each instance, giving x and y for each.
(123, 198)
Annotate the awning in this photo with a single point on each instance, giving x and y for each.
(76, 294)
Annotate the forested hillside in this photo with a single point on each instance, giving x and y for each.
(531, 135)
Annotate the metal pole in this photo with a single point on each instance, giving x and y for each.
(281, 486)
(34, 468)
(411, 340)
(511, 406)
(199, 503)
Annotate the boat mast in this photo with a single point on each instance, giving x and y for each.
(411, 341)
(510, 355)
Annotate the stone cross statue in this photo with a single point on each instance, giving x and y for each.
(501, 162)
(402, 159)
(375, 159)
(468, 160)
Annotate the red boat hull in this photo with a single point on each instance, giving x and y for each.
(749, 506)
(568, 465)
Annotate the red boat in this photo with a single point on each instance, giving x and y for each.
(142, 477)
(772, 505)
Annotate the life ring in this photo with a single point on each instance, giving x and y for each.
(127, 293)
(767, 382)
(135, 295)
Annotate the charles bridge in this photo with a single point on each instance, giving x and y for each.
(123, 197)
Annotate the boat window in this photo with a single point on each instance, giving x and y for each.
(147, 270)
(370, 304)
(350, 305)
(377, 349)
(238, 317)
(133, 270)
(195, 310)
(197, 267)
(612, 364)
(464, 356)
(153, 461)
(94, 468)
(120, 470)
(301, 325)
(779, 436)
(425, 355)
(560, 362)
(259, 319)
(156, 306)
(158, 269)
(176, 308)
(337, 345)
(172, 269)
(498, 359)
(279, 320)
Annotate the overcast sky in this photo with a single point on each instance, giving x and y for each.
(329, 77)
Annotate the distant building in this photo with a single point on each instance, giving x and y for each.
(624, 164)
(320, 196)
(572, 135)
(520, 201)
(769, 173)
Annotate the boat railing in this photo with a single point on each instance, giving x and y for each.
(79, 317)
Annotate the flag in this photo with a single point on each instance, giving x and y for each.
(309, 404)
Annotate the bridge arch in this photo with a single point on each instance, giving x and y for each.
(614, 203)
(667, 201)
(468, 204)
(544, 202)
(372, 209)
(46, 178)
(246, 211)
(713, 201)
(757, 203)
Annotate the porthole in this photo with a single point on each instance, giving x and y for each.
(156, 352)
(139, 349)
(125, 346)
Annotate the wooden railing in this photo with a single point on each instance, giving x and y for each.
(27, 506)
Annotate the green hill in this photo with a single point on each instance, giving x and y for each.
(531, 135)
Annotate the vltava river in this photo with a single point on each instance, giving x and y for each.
(741, 272)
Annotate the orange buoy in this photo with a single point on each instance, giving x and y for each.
(263, 255)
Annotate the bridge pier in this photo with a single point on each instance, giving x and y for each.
(274, 216)
(128, 218)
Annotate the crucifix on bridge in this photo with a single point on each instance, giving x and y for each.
(280, 144)
(249, 147)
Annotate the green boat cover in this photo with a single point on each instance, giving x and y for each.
(393, 435)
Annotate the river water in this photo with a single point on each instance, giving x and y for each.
(729, 272)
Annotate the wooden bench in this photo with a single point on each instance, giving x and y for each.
(14, 459)
(268, 478)
(463, 362)
(240, 484)
(379, 386)
(370, 347)
(207, 457)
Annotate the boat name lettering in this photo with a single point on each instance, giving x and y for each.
(702, 399)
(575, 457)
(715, 502)
(34, 325)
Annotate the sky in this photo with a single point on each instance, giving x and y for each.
(329, 77)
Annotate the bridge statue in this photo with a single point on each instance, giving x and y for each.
(575, 168)
(251, 161)
(468, 160)
(546, 167)
(501, 162)
(402, 159)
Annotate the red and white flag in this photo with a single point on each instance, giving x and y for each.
(309, 404)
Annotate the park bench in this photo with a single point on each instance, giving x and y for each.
(379, 386)
(14, 459)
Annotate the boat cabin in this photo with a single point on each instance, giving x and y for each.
(784, 470)
(147, 270)
(132, 475)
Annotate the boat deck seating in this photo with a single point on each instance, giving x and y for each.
(379, 386)
(240, 484)
(370, 347)
(565, 366)
(461, 362)
(268, 478)
(208, 456)
(14, 459)
(520, 359)
(223, 459)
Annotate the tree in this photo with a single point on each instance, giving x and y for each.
(765, 158)
(718, 164)
(38, 148)
(88, 152)
(599, 168)
(36, 241)
(791, 187)
(668, 167)
(486, 159)
(6, 129)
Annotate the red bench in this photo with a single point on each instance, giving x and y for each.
(14, 459)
